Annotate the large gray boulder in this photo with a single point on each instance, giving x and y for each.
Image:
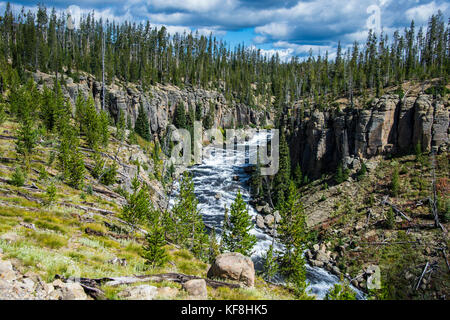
(233, 266)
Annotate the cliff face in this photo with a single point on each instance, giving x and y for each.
(322, 140)
(159, 102)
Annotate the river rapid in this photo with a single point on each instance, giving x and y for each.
(216, 186)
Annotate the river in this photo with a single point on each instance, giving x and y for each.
(216, 186)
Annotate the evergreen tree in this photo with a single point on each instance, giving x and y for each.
(282, 178)
(179, 119)
(270, 264)
(121, 126)
(154, 253)
(298, 176)
(395, 183)
(237, 237)
(293, 234)
(341, 291)
(188, 222)
(138, 206)
(142, 126)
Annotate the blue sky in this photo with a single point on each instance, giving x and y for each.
(289, 27)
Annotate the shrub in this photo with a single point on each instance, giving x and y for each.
(18, 177)
(395, 183)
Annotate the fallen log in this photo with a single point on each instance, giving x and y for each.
(174, 277)
(395, 208)
(87, 209)
(421, 277)
(7, 137)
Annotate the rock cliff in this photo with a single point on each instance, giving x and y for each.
(323, 139)
(159, 102)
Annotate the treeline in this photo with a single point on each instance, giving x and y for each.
(148, 55)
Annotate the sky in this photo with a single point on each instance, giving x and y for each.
(289, 27)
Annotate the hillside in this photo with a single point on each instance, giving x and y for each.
(80, 234)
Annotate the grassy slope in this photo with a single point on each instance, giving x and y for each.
(339, 216)
(60, 244)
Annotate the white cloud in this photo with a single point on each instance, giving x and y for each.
(276, 30)
(421, 13)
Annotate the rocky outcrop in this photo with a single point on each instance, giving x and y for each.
(233, 266)
(17, 286)
(323, 139)
(159, 101)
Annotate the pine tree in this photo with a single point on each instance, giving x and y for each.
(395, 183)
(293, 235)
(179, 120)
(27, 136)
(138, 206)
(341, 291)
(120, 126)
(298, 176)
(282, 178)
(237, 237)
(142, 126)
(214, 247)
(270, 264)
(154, 253)
(188, 221)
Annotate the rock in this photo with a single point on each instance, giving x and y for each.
(316, 263)
(142, 292)
(28, 284)
(335, 270)
(117, 261)
(10, 237)
(266, 210)
(308, 254)
(322, 256)
(73, 291)
(167, 292)
(260, 221)
(236, 178)
(277, 216)
(408, 275)
(269, 220)
(233, 266)
(371, 269)
(316, 247)
(196, 288)
(217, 196)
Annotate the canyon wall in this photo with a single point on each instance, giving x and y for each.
(159, 102)
(322, 140)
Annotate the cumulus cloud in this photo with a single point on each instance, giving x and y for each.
(423, 12)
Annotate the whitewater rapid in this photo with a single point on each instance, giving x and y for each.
(217, 181)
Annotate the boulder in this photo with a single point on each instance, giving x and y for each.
(196, 288)
(167, 293)
(73, 291)
(269, 220)
(277, 216)
(233, 266)
(260, 221)
(142, 292)
(316, 263)
(6, 271)
(322, 256)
